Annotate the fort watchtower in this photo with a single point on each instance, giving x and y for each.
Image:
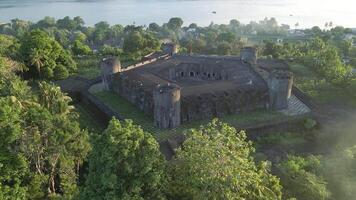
(249, 55)
(167, 111)
(109, 66)
(170, 48)
(280, 88)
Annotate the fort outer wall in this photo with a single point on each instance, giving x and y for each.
(194, 107)
(218, 104)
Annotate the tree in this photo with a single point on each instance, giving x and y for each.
(339, 172)
(154, 27)
(301, 180)
(125, 164)
(79, 48)
(175, 23)
(6, 43)
(133, 42)
(226, 37)
(140, 43)
(13, 165)
(67, 23)
(42, 145)
(46, 22)
(53, 143)
(43, 55)
(79, 21)
(193, 25)
(110, 51)
(10, 84)
(224, 48)
(215, 162)
(234, 23)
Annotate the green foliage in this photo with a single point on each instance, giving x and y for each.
(80, 49)
(46, 22)
(42, 146)
(60, 72)
(70, 24)
(54, 144)
(125, 164)
(309, 124)
(10, 84)
(301, 178)
(339, 171)
(107, 50)
(215, 162)
(88, 66)
(6, 45)
(286, 140)
(226, 37)
(43, 55)
(140, 43)
(175, 23)
(319, 56)
(13, 165)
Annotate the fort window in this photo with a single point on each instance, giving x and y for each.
(209, 75)
(213, 74)
(197, 73)
(182, 74)
(191, 74)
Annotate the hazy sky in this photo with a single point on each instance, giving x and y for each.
(306, 12)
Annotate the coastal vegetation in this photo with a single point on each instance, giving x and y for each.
(51, 148)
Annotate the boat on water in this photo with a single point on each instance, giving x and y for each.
(214, 12)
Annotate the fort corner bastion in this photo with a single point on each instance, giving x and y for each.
(177, 89)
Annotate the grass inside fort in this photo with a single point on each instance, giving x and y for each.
(129, 111)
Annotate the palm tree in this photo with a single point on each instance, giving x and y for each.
(52, 98)
(36, 60)
(326, 25)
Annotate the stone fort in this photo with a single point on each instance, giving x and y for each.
(176, 89)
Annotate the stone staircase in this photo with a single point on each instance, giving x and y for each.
(296, 107)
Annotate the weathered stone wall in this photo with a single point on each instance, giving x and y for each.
(192, 70)
(280, 88)
(167, 106)
(135, 92)
(249, 55)
(99, 109)
(205, 106)
(109, 66)
(208, 106)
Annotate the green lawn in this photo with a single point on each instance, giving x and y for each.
(87, 121)
(88, 67)
(321, 91)
(129, 111)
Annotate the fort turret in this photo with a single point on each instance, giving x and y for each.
(170, 48)
(166, 100)
(280, 84)
(248, 55)
(109, 66)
